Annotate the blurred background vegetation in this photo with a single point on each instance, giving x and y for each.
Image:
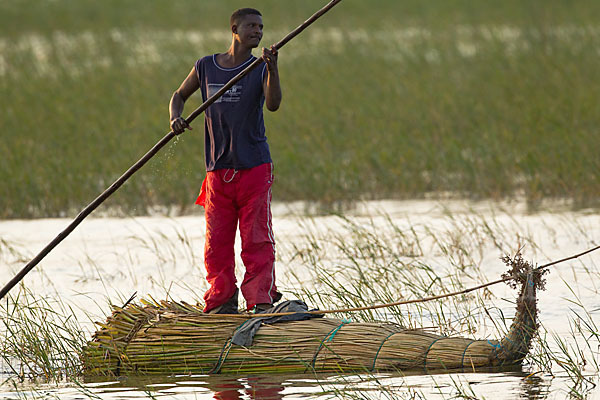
(386, 99)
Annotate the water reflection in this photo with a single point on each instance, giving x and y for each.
(221, 387)
(513, 384)
(534, 387)
(263, 387)
(490, 384)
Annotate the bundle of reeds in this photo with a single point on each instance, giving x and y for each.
(171, 337)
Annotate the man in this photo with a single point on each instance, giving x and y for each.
(237, 187)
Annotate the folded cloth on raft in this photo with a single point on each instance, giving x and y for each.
(244, 335)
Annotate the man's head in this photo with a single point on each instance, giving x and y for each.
(247, 24)
(241, 13)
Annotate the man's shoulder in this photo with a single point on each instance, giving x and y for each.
(205, 59)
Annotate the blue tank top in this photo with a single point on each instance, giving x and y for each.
(234, 128)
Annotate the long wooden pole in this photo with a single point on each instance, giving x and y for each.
(117, 184)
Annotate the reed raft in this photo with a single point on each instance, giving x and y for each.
(177, 338)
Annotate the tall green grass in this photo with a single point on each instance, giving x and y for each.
(41, 338)
(387, 100)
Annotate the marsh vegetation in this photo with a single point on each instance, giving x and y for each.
(398, 100)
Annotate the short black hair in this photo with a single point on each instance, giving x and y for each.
(242, 12)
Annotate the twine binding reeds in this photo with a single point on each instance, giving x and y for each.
(428, 349)
(462, 360)
(379, 349)
(328, 338)
(225, 349)
(221, 360)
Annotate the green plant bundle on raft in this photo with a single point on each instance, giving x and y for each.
(171, 337)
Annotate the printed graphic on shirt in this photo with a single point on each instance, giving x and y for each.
(231, 96)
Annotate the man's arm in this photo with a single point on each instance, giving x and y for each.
(271, 86)
(188, 86)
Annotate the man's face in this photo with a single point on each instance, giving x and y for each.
(249, 30)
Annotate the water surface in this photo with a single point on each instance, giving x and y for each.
(107, 259)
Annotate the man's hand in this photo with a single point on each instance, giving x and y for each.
(271, 86)
(179, 125)
(270, 58)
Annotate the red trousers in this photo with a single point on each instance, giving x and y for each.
(231, 197)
